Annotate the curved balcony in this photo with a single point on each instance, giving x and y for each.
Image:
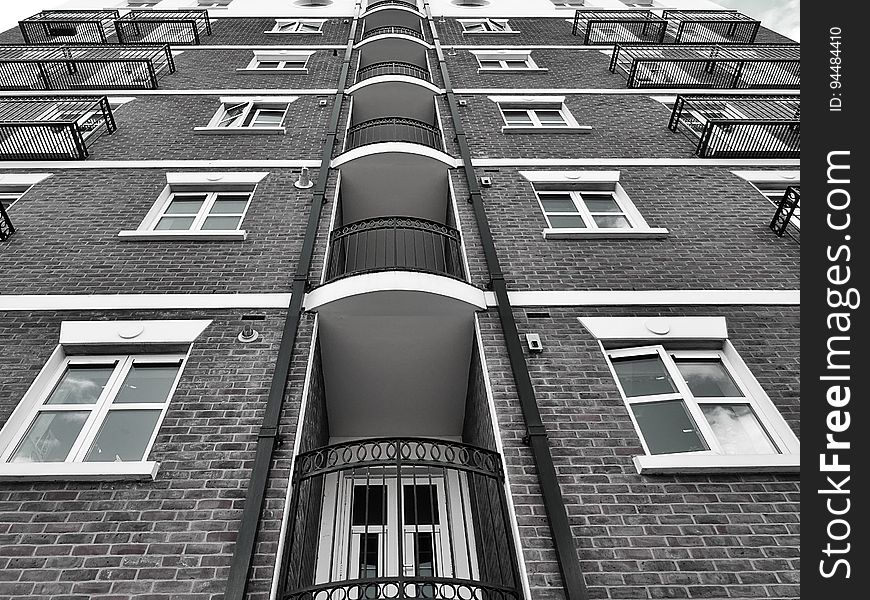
(394, 67)
(392, 30)
(393, 129)
(402, 3)
(399, 518)
(394, 244)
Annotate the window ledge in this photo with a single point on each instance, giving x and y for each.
(662, 464)
(192, 236)
(521, 129)
(494, 70)
(241, 130)
(305, 71)
(580, 233)
(96, 471)
(491, 32)
(270, 32)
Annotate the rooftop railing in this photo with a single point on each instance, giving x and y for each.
(109, 67)
(392, 30)
(740, 126)
(601, 27)
(69, 27)
(52, 127)
(394, 129)
(756, 66)
(710, 27)
(394, 244)
(394, 67)
(786, 212)
(163, 27)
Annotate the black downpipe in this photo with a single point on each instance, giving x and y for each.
(536, 432)
(243, 552)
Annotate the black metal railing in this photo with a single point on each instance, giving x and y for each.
(610, 27)
(393, 67)
(69, 27)
(710, 27)
(6, 227)
(399, 518)
(392, 30)
(404, 3)
(394, 129)
(394, 243)
(163, 26)
(740, 126)
(788, 207)
(108, 67)
(52, 128)
(708, 66)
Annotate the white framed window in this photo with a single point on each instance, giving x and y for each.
(536, 114)
(486, 26)
(772, 185)
(13, 186)
(505, 60)
(279, 60)
(313, 26)
(595, 209)
(568, 3)
(254, 115)
(142, 3)
(213, 3)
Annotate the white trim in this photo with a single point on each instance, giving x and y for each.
(21, 179)
(392, 36)
(279, 56)
(166, 164)
(664, 464)
(414, 11)
(397, 79)
(241, 130)
(398, 147)
(502, 55)
(785, 177)
(571, 177)
(84, 471)
(215, 178)
(531, 100)
(587, 233)
(609, 91)
(120, 332)
(46, 302)
(636, 328)
(299, 21)
(651, 298)
(651, 162)
(198, 92)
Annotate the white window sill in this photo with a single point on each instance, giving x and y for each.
(581, 233)
(662, 464)
(522, 129)
(293, 32)
(272, 71)
(240, 130)
(494, 70)
(491, 32)
(96, 471)
(233, 235)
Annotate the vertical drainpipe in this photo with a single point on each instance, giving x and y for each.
(536, 432)
(243, 552)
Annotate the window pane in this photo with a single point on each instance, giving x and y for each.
(268, 64)
(294, 64)
(517, 117)
(708, 378)
(174, 223)
(368, 505)
(667, 427)
(81, 384)
(421, 503)
(188, 205)
(147, 383)
(611, 222)
(227, 204)
(268, 118)
(490, 64)
(601, 204)
(550, 117)
(123, 436)
(738, 429)
(220, 223)
(50, 437)
(643, 376)
(563, 221)
(558, 203)
(516, 64)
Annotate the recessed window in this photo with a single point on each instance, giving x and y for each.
(249, 115)
(280, 60)
(536, 117)
(298, 26)
(203, 211)
(592, 209)
(486, 26)
(506, 60)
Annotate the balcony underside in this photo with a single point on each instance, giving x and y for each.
(381, 156)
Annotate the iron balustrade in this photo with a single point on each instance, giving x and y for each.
(394, 129)
(394, 243)
(624, 26)
(404, 3)
(6, 227)
(163, 26)
(399, 518)
(52, 128)
(80, 67)
(69, 27)
(740, 126)
(788, 206)
(753, 66)
(392, 30)
(710, 27)
(393, 67)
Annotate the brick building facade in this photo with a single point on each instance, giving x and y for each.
(398, 299)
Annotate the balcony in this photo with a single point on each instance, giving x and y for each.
(612, 27)
(399, 518)
(708, 66)
(394, 244)
(392, 30)
(391, 3)
(786, 219)
(394, 129)
(740, 126)
(710, 27)
(393, 67)
(163, 27)
(69, 27)
(6, 227)
(83, 67)
(52, 128)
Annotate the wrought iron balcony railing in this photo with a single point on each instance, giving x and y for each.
(52, 127)
(404, 3)
(393, 67)
(399, 518)
(394, 243)
(394, 129)
(601, 27)
(708, 66)
(163, 26)
(787, 210)
(69, 27)
(710, 27)
(6, 227)
(392, 30)
(109, 67)
(740, 126)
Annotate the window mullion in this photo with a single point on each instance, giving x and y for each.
(577, 197)
(204, 211)
(98, 414)
(692, 404)
(536, 122)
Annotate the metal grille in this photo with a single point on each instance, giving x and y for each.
(710, 27)
(623, 26)
(740, 126)
(392, 30)
(111, 67)
(69, 27)
(393, 129)
(392, 68)
(394, 243)
(163, 27)
(791, 201)
(399, 518)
